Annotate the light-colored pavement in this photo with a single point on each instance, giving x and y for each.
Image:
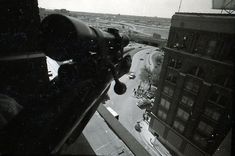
(126, 105)
(151, 140)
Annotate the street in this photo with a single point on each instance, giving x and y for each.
(102, 139)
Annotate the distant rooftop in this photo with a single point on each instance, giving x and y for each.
(223, 23)
(207, 14)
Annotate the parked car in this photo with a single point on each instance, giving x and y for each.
(132, 75)
(142, 104)
(138, 127)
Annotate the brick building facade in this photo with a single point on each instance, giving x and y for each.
(192, 113)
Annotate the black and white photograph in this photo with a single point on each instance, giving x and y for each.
(117, 77)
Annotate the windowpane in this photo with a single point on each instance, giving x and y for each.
(175, 63)
(215, 116)
(186, 116)
(199, 139)
(205, 128)
(178, 64)
(166, 89)
(190, 102)
(222, 100)
(162, 101)
(214, 96)
(208, 130)
(179, 112)
(181, 128)
(182, 114)
(184, 99)
(189, 85)
(196, 137)
(187, 100)
(195, 87)
(167, 104)
(171, 92)
(159, 113)
(171, 77)
(201, 126)
(211, 47)
(162, 114)
(192, 85)
(176, 124)
(208, 112)
(212, 113)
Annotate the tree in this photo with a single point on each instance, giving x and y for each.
(150, 77)
(146, 75)
(159, 59)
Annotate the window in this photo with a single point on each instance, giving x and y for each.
(199, 139)
(165, 103)
(200, 44)
(212, 113)
(169, 91)
(225, 81)
(178, 126)
(187, 100)
(222, 100)
(197, 71)
(205, 128)
(182, 114)
(211, 47)
(214, 96)
(192, 86)
(217, 98)
(175, 63)
(171, 77)
(229, 83)
(162, 114)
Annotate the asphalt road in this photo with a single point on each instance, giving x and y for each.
(101, 138)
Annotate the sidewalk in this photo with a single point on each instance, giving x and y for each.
(151, 140)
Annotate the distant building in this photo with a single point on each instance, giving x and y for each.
(192, 113)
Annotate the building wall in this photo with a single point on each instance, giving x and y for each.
(194, 97)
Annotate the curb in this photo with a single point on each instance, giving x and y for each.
(147, 142)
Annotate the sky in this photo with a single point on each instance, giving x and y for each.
(154, 8)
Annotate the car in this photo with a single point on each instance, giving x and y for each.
(132, 75)
(150, 95)
(142, 104)
(138, 127)
(141, 59)
(157, 49)
(147, 53)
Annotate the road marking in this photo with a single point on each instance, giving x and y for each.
(102, 146)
